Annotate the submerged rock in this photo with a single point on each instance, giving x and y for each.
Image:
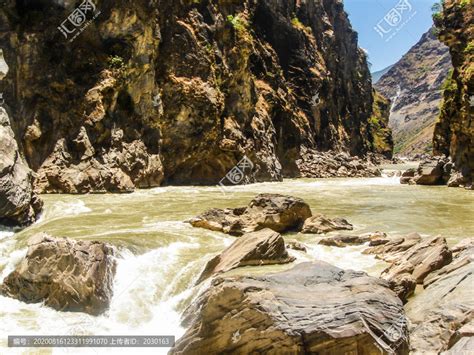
(19, 205)
(264, 247)
(290, 312)
(320, 224)
(295, 245)
(278, 212)
(407, 176)
(66, 275)
(342, 240)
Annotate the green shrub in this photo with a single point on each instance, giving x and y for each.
(116, 62)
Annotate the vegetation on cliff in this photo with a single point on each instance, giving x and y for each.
(178, 92)
(454, 132)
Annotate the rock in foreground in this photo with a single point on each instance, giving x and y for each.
(66, 275)
(19, 205)
(438, 314)
(277, 212)
(412, 259)
(290, 312)
(428, 255)
(257, 248)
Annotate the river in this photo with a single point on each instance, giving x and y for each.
(160, 256)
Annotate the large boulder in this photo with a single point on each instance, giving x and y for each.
(431, 171)
(277, 212)
(407, 176)
(290, 313)
(438, 314)
(257, 248)
(66, 275)
(19, 205)
(320, 224)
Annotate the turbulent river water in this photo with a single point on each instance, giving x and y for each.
(160, 256)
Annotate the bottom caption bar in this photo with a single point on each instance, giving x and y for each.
(61, 341)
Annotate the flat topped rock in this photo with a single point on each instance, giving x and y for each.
(312, 308)
(65, 274)
(320, 224)
(343, 240)
(277, 212)
(257, 248)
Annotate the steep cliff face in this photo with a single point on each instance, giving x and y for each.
(19, 205)
(414, 84)
(179, 91)
(381, 134)
(454, 133)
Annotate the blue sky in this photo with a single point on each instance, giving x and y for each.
(397, 33)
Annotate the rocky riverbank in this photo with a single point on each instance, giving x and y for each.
(286, 310)
(273, 306)
(436, 171)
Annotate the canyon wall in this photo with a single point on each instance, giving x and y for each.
(454, 133)
(141, 93)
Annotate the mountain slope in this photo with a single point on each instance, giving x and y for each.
(177, 92)
(414, 85)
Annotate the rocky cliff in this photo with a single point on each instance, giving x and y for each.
(414, 84)
(454, 133)
(123, 94)
(19, 205)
